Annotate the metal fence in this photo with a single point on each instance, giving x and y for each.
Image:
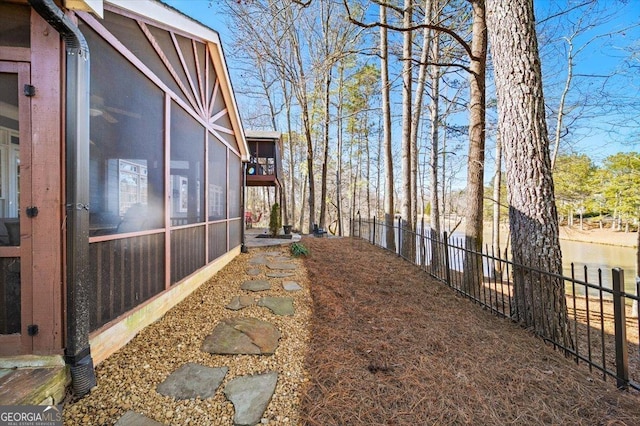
(602, 333)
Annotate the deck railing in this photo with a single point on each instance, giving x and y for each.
(602, 333)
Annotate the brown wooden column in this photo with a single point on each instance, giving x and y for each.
(46, 187)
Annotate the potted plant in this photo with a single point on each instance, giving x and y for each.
(275, 221)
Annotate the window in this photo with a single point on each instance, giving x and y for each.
(187, 168)
(127, 139)
(133, 184)
(9, 160)
(217, 179)
(235, 186)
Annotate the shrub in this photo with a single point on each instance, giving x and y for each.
(275, 221)
(298, 249)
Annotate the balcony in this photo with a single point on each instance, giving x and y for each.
(265, 164)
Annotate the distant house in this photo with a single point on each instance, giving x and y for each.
(117, 203)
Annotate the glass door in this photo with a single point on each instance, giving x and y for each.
(15, 229)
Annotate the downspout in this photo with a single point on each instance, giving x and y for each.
(77, 349)
(243, 248)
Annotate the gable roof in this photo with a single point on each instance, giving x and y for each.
(166, 15)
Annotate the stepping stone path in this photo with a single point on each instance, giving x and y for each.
(279, 274)
(249, 336)
(239, 302)
(131, 418)
(291, 286)
(253, 272)
(250, 396)
(282, 265)
(256, 285)
(259, 261)
(278, 305)
(192, 381)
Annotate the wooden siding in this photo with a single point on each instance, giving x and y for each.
(125, 273)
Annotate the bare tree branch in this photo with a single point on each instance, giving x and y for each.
(438, 28)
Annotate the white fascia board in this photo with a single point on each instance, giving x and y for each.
(240, 137)
(93, 6)
(159, 12)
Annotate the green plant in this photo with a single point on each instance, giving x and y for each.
(298, 249)
(275, 221)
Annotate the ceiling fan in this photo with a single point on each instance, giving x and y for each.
(99, 109)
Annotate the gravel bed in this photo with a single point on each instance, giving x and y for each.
(128, 379)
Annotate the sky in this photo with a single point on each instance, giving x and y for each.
(600, 56)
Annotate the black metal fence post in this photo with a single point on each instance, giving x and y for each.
(622, 356)
(399, 236)
(373, 240)
(447, 271)
(422, 244)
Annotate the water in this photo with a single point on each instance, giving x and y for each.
(592, 255)
(595, 256)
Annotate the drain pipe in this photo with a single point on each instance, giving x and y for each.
(77, 349)
(243, 236)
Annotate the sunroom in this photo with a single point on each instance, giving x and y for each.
(121, 151)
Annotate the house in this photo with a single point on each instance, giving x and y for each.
(264, 168)
(121, 176)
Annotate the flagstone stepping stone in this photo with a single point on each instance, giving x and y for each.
(281, 259)
(291, 286)
(260, 260)
(131, 418)
(250, 396)
(253, 272)
(282, 265)
(256, 285)
(249, 336)
(279, 274)
(192, 381)
(272, 253)
(278, 305)
(239, 302)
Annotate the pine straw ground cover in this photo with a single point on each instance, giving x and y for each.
(389, 345)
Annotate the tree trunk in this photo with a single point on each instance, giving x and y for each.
(497, 183)
(378, 174)
(303, 101)
(325, 157)
(291, 163)
(368, 167)
(417, 110)
(386, 128)
(307, 132)
(475, 168)
(339, 170)
(567, 86)
(303, 193)
(407, 84)
(540, 300)
(434, 220)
